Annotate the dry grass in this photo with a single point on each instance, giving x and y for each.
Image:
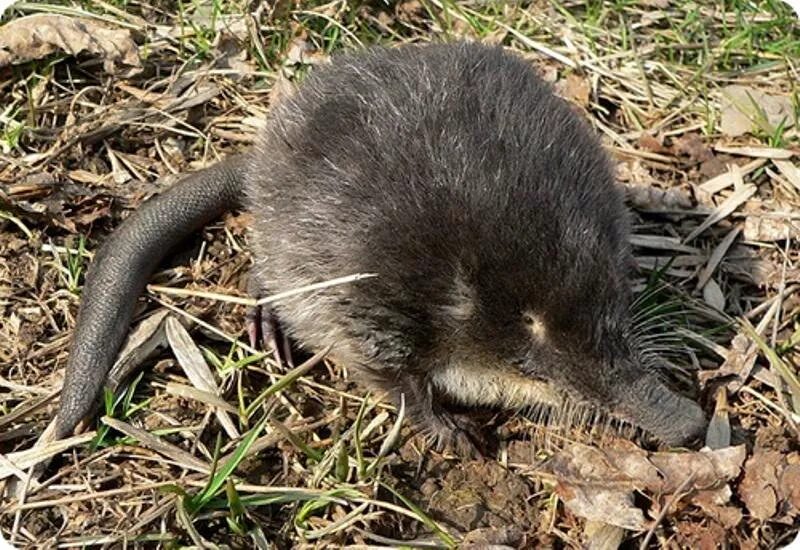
(173, 463)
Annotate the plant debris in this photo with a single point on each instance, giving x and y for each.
(41, 35)
(205, 441)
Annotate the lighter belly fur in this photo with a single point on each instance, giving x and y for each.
(479, 385)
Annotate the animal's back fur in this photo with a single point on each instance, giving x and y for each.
(417, 163)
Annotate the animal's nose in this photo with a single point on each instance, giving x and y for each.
(672, 418)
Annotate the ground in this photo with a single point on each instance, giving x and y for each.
(105, 103)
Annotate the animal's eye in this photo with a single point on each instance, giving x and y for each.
(534, 324)
(528, 319)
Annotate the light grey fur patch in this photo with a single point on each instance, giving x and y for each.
(480, 385)
(461, 305)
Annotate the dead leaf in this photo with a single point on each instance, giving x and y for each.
(15, 463)
(301, 52)
(145, 96)
(725, 209)
(602, 536)
(757, 489)
(598, 484)
(611, 506)
(40, 35)
(733, 176)
(692, 146)
(713, 295)
(150, 441)
(492, 537)
(191, 360)
(716, 257)
(575, 88)
(711, 468)
(790, 171)
(141, 342)
(746, 109)
(713, 166)
(87, 216)
(701, 536)
(281, 89)
(495, 37)
(192, 97)
(770, 487)
(84, 176)
(773, 153)
(770, 228)
(790, 484)
(714, 503)
(652, 144)
(662, 242)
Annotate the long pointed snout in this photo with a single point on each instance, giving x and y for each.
(651, 405)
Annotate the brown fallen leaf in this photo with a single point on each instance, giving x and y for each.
(611, 506)
(492, 537)
(790, 483)
(37, 36)
(745, 109)
(758, 487)
(654, 144)
(575, 88)
(771, 228)
(770, 487)
(302, 52)
(142, 341)
(602, 536)
(598, 484)
(716, 257)
(711, 468)
(281, 89)
(715, 504)
(692, 146)
(706, 536)
(194, 365)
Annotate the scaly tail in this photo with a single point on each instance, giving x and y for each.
(121, 269)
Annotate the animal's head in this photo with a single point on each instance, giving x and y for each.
(569, 325)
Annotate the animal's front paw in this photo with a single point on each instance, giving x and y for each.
(456, 432)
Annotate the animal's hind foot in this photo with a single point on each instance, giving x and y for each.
(263, 328)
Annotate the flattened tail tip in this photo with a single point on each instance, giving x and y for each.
(69, 427)
(65, 425)
(73, 416)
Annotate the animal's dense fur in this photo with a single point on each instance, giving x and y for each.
(481, 201)
(486, 208)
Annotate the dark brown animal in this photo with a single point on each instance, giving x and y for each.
(486, 208)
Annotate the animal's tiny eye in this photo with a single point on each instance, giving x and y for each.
(528, 319)
(534, 324)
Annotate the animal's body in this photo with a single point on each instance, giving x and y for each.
(486, 208)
